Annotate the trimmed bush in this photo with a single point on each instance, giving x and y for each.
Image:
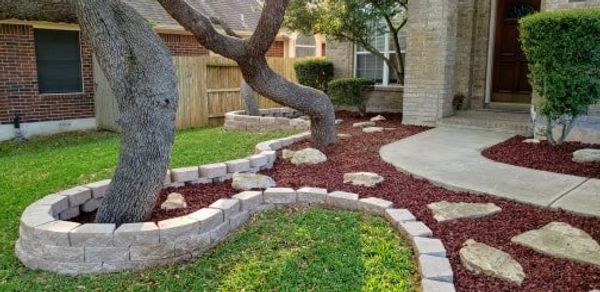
(350, 91)
(563, 50)
(314, 72)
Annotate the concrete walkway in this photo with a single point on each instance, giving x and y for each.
(451, 157)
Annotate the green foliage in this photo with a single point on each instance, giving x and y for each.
(350, 91)
(563, 49)
(314, 72)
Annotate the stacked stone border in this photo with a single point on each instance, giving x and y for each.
(272, 119)
(49, 242)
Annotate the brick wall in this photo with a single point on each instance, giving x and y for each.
(19, 84)
(276, 49)
(183, 45)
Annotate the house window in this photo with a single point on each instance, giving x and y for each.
(58, 61)
(306, 46)
(368, 65)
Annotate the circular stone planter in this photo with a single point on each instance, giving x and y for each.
(272, 119)
(49, 242)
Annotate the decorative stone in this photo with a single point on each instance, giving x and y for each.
(249, 200)
(287, 154)
(308, 156)
(481, 258)
(428, 285)
(415, 229)
(363, 124)
(230, 207)
(378, 118)
(342, 200)
(99, 188)
(77, 195)
(559, 239)
(279, 196)
(586, 155)
(366, 179)
(338, 121)
(92, 234)
(444, 211)
(207, 218)
(175, 228)
(371, 130)
(395, 216)
(174, 201)
(258, 160)
(435, 268)
(312, 195)
(250, 181)
(144, 233)
(238, 165)
(344, 136)
(374, 205)
(213, 170)
(185, 174)
(390, 129)
(429, 246)
(531, 141)
(55, 232)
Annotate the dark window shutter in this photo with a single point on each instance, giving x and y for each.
(58, 61)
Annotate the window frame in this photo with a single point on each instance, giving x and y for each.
(314, 47)
(81, 65)
(387, 51)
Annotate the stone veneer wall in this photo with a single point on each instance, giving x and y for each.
(48, 242)
(430, 61)
(272, 119)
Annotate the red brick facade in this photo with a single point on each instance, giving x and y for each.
(19, 92)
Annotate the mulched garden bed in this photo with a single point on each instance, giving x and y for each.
(361, 153)
(544, 156)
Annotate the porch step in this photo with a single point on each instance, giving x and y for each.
(511, 122)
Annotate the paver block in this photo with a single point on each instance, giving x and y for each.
(207, 218)
(219, 233)
(149, 252)
(35, 262)
(66, 254)
(185, 174)
(99, 188)
(374, 205)
(69, 213)
(174, 228)
(239, 219)
(249, 200)
(258, 160)
(91, 205)
(395, 216)
(271, 155)
(279, 196)
(223, 178)
(92, 234)
(414, 229)
(263, 146)
(145, 233)
(213, 170)
(57, 203)
(263, 207)
(312, 195)
(192, 243)
(342, 200)
(238, 165)
(429, 246)
(230, 207)
(54, 233)
(428, 285)
(106, 254)
(435, 268)
(77, 195)
(201, 181)
(35, 215)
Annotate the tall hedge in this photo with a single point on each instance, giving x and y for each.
(314, 72)
(563, 50)
(350, 91)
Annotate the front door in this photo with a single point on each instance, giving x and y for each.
(510, 82)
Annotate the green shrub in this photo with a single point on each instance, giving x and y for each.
(350, 91)
(314, 72)
(563, 50)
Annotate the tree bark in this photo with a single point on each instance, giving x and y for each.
(250, 55)
(249, 98)
(141, 74)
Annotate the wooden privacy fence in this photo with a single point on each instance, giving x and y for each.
(208, 86)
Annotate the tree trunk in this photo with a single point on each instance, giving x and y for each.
(249, 98)
(146, 93)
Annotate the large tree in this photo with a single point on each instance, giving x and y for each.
(356, 21)
(249, 53)
(141, 74)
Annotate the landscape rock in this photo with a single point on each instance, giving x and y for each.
(248, 181)
(338, 121)
(390, 129)
(373, 130)
(481, 258)
(174, 201)
(531, 141)
(344, 136)
(444, 211)
(586, 155)
(287, 154)
(562, 240)
(366, 179)
(363, 124)
(308, 156)
(378, 118)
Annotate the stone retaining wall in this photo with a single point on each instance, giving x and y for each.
(49, 242)
(272, 119)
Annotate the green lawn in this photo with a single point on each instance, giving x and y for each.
(329, 250)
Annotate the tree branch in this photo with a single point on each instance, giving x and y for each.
(42, 10)
(268, 26)
(226, 28)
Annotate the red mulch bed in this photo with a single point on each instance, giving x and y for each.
(361, 153)
(544, 156)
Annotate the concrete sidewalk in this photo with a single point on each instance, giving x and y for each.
(452, 158)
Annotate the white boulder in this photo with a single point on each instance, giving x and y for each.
(378, 118)
(586, 155)
(249, 181)
(174, 201)
(481, 258)
(363, 124)
(366, 179)
(308, 156)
